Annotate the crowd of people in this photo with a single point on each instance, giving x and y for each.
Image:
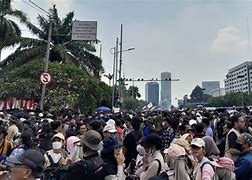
(195, 144)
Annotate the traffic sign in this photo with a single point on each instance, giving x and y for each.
(84, 30)
(45, 78)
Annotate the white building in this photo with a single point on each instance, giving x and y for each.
(166, 89)
(209, 86)
(239, 78)
(218, 92)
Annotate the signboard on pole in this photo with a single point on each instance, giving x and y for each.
(45, 78)
(84, 30)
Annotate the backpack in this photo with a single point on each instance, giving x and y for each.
(90, 169)
(165, 175)
(216, 176)
(50, 171)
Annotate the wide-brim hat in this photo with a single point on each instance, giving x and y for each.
(111, 144)
(92, 139)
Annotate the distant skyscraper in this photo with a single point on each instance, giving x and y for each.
(152, 92)
(209, 86)
(166, 89)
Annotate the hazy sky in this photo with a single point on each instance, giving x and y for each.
(195, 40)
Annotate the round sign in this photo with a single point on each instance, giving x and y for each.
(45, 78)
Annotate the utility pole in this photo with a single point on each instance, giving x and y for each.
(46, 63)
(121, 51)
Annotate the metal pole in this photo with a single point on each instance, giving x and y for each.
(121, 51)
(113, 81)
(46, 63)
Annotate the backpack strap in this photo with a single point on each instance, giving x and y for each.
(159, 166)
(52, 163)
(204, 163)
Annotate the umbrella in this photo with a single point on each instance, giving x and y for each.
(103, 109)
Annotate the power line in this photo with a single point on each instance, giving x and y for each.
(32, 6)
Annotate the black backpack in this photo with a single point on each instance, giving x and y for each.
(51, 171)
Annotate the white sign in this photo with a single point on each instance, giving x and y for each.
(45, 78)
(84, 30)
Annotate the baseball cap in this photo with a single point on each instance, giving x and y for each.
(110, 144)
(109, 128)
(92, 139)
(198, 142)
(247, 138)
(31, 158)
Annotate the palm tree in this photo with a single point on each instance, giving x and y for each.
(9, 30)
(63, 50)
(133, 91)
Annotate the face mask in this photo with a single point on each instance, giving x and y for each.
(140, 150)
(56, 145)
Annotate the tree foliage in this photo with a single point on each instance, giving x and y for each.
(130, 103)
(71, 86)
(230, 99)
(63, 49)
(133, 91)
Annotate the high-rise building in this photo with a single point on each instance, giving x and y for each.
(239, 78)
(166, 89)
(152, 92)
(209, 86)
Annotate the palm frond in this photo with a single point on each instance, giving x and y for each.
(20, 57)
(18, 14)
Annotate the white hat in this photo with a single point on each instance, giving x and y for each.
(40, 115)
(109, 128)
(192, 122)
(31, 113)
(1, 113)
(22, 119)
(110, 122)
(199, 142)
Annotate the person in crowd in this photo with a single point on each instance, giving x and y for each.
(131, 141)
(232, 148)
(5, 145)
(91, 167)
(201, 170)
(222, 142)
(211, 149)
(26, 127)
(167, 133)
(25, 143)
(81, 129)
(153, 161)
(71, 131)
(208, 129)
(113, 159)
(57, 154)
(176, 157)
(128, 126)
(149, 128)
(71, 143)
(48, 131)
(199, 130)
(12, 130)
(28, 166)
(109, 131)
(244, 163)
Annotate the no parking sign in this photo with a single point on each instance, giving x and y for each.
(45, 78)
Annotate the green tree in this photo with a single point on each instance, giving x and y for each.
(133, 91)
(197, 94)
(10, 33)
(133, 104)
(63, 49)
(71, 86)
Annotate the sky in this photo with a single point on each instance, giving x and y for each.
(195, 40)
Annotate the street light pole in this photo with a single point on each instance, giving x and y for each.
(46, 63)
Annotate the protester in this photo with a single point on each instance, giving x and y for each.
(113, 158)
(12, 130)
(244, 163)
(201, 170)
(28, 166)
(5, 145)
(153, 162)
(131, 141)
(167, 133)
(208, 129)
(232, 148)
(91, 167)
(25, 142)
